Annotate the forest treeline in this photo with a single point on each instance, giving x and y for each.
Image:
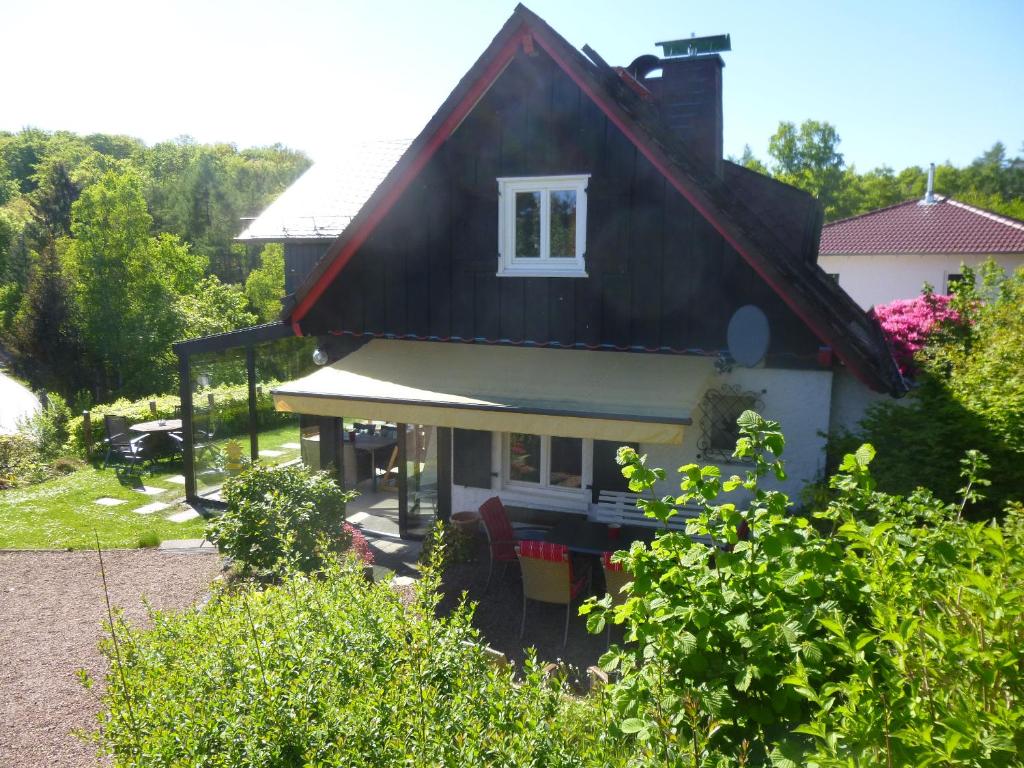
(110, 250)
(807, 156)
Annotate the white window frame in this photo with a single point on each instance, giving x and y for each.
(544, 487)
(545, 265)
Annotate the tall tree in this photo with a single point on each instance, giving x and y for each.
(44, 330)
(265, 284)
(808, 157)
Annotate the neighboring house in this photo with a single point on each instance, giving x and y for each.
(313, 211)
(562, 262)
(891, 253)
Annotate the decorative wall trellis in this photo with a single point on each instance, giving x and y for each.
(719, 410)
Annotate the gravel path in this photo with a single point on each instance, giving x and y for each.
(51, 614)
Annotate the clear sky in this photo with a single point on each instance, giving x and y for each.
(904, 82)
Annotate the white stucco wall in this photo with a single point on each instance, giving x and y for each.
(801, 400)
(851, 400)
(879, 279)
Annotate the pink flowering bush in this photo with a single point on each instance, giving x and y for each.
(357, 543)
(908, 323)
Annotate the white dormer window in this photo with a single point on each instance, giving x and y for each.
(542, 226)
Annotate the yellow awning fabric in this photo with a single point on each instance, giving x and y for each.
(569, 393)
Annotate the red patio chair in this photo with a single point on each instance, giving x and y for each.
(548, 577)
(501, 535)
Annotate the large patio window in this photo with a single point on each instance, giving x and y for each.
(544, 462)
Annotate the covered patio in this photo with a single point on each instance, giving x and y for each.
(382, 416)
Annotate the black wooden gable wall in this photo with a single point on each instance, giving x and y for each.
(660, 277)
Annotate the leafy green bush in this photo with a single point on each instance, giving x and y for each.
(459, 547)
(279, 516)
(887, 632)
(20, 462)
(969, 394)
(334, 671)
(50, 427)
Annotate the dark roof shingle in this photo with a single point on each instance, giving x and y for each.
(946, 226)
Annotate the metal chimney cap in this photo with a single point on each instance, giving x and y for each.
(695, 46)
(929, 195)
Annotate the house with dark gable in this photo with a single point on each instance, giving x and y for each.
(560, 263)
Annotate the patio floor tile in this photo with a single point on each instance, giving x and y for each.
(176, 479)
(149, 509)
(107, 501)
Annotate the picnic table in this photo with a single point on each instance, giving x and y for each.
(163, 444)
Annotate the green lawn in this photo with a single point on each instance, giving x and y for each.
(62, 513)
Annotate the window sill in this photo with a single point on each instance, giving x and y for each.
(527, 272)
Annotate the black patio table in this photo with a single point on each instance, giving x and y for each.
(371, 444)
(588, 538)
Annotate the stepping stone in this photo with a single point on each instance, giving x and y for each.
(184, 516)
(188, 546)
(150, 490)
(271, 453)
(176, 479)
(403, 581)
(149, 509)
(291, 446)
(106, 501)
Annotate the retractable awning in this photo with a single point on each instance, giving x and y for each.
(570, 393)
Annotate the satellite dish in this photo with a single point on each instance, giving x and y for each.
(748, 335)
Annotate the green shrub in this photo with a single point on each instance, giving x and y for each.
(20, 461)
(50, 426)
(969, 394)
(887, 632)
(335, 671)
(281, 516)
(459, 547)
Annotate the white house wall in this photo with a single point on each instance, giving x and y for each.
(801, 400)
(879, 279)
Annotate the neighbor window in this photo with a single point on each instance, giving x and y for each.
(720, 409)
(951, 282)
(542, 226)
(544, 462)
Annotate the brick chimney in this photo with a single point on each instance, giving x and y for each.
(689, 92)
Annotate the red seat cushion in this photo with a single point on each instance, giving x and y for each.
(606, 560)
(543, 550)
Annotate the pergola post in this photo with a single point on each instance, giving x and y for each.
(187, 448)
(330, 434)
(444, 473)
(250, 375)
(403, 480)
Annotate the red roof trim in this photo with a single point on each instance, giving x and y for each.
(419, 161)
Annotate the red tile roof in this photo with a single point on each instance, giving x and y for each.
(947, 226)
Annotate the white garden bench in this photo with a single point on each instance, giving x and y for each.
(620, 507)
